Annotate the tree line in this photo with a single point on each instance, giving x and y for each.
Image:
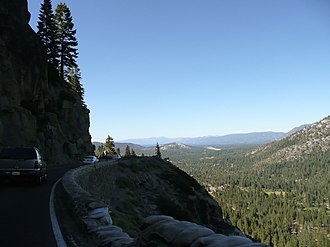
(108, 150)
(57, 34)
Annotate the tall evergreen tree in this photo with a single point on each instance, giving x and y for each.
(127, 151)
(74, 78)
(109, 146)
(68, 52)
(47, 32)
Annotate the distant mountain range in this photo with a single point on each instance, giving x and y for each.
(198, 144)
(254, 138)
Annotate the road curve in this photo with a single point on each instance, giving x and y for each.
(24, 213)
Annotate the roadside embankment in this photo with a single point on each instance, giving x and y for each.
(89, 211)
(135, 195)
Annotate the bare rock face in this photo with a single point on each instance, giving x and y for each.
(36, 107)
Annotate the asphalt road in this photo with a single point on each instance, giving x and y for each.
(24, 213)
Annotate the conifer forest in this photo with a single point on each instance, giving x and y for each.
(282, 203)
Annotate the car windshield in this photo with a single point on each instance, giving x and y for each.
(18, 153)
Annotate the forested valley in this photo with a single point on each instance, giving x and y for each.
(279, 203)
(276, 193)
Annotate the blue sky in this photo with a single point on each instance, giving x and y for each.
(188, 68)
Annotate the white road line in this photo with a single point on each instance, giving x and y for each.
(56, 228)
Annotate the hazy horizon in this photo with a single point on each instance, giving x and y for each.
(193, 137)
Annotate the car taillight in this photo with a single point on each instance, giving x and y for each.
(36, 165)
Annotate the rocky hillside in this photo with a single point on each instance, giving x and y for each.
(139, 187)
(298, 146)
(36, 107)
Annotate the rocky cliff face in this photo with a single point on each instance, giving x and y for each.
(36, 109)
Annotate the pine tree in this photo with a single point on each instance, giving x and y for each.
(127, 151)
(157, 149)
(133, 152)
(99, 151)
(118, 151)
(47, 32)
(67, 40)
(74, 78)
(109, 146)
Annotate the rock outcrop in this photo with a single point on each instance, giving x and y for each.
(37, 108)
(126, 207)
(151, 186)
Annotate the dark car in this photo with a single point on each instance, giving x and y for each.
(23, 163)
